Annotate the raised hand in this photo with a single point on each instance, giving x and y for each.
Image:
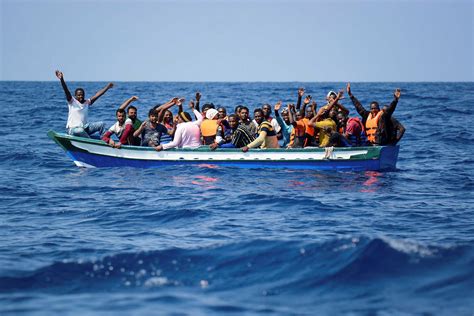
(397, 93)
(191, 104)
(110, 85)
(348, 88)
(277, 106)
(134, 98)
(340, 94)
(300, 92)
(307, 99)
(59, 75)
(198, 96)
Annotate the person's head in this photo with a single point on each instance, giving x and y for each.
(333, 114)
(341, 119)
(184, 117)
(168, 117)
(207, 106)
(299, 116)
(244, 114)
(233, 121)
(285, 116)
(211, 114)
(152, 115)
(132, 113)
(221, 112)
(267, 110)
(309, 113)
(120, 114)
(237, 110)
(374, 108)
(258, 116)
(80, 95)
(331, 96)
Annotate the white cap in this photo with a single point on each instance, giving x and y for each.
(210, 113)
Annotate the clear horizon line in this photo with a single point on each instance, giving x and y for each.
(241, 81)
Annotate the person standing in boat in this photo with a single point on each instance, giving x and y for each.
(266, 134)
(376, 121)
(77, 121)
(188, 133)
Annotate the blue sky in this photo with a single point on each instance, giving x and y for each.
(101, 40)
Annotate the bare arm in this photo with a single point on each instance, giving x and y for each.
(300, 96)
(305, 103)
(63, 84)
(127, 102)
(198, 97)
(139, 130)
(101, 92)
(165, 107)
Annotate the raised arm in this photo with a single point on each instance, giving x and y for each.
(393, 105)
(300, 96)
(140, 129)
(63, 84)
(291, 114)
(198, 97)
(358, 106)
(305, 103)
(101, 92)
(127, 102)
(161, 110)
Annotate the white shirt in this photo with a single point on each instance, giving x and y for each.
(187, 135)
(118, 129)
(78, 113)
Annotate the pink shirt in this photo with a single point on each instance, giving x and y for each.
(187, 135)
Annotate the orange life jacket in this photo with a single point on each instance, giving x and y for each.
(208, 131)
(371, 126)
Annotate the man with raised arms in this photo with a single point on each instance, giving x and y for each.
(77, 121)
(376, 121)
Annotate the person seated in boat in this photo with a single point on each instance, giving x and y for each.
(266, 134)
(284, 122)
(165, 117)
(324, 124)
(188, 133)
(77, 121)
(132, 112)
(151, 130)
(122, 129)
(311, 136)
(237, 110)
(209, 127)
(336, 139)
(222, 113)
(395, 129)
(338, 106)
(267, 111)
(298, 134)
(352, 129)
(376, 120)
(245, 120)
(237, 135)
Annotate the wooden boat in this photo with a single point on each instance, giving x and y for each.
(87, 152)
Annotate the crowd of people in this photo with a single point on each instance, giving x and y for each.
(294, 126)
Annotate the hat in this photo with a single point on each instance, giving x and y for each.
(331, 93)
(210, 113)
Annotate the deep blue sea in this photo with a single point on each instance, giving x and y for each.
(189, 240)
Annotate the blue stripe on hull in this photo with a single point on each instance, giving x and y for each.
(357, 165)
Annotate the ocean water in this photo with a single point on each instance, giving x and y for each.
(228, 241)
